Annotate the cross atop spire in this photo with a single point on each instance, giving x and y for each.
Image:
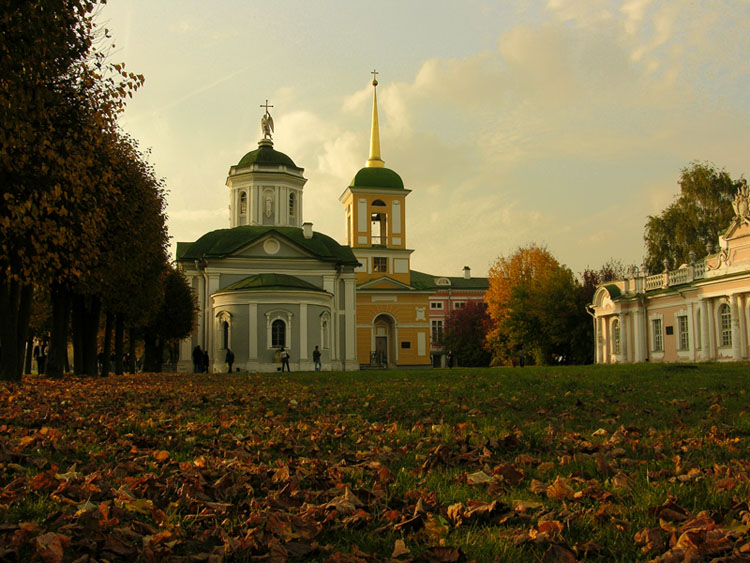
(374, 161)
(266, 122)
(266, 106)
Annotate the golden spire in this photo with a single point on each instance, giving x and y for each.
(374, 161)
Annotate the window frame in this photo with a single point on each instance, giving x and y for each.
(725, 325)
(657, 334)
(380, 264)
(683, 333)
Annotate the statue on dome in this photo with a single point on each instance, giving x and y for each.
(266, 122)
(741, 203)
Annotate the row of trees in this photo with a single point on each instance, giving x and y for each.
(82, 222)
(535, 308)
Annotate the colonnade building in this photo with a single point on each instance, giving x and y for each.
(699, 312)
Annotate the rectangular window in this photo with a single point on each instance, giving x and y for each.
(684, 335)
(459, 304)
(436, 305)
(437, 332)
(725, 317)
(380, 264)
(658, 338)
(406, 345)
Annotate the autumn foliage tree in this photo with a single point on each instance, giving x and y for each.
(536, 307)
(695, 219)
(465, 333)
(58, 105)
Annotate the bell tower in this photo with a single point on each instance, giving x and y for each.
(375, 203)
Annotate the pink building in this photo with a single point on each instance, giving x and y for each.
(448, 294)
(700, 312)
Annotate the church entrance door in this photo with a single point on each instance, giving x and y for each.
(381, 350)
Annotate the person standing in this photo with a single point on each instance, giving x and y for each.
(285, 359)
(205, 361)
(229, 359)
(197, 359)
(42, 359)
(316, 359)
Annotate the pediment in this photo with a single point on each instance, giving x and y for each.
(384, 283)
(738, 229)
(271, 246)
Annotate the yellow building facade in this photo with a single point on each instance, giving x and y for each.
(392, 315)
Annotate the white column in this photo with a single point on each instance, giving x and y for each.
(691, 333)
(743, 325)
(638, 335)
(736, 336)
(597, 340)
(303, 332)
(623, 338)
(350, 329)
(253, 334)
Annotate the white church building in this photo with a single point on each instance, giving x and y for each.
(270, 281)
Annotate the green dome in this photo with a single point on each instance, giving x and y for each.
(267, 156)
(377, 178)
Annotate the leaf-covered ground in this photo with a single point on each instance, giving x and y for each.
(615, 463)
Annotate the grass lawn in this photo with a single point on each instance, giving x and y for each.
(596, 463)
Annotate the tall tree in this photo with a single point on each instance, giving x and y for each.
(701, 213)
(58, 97)
(465, 334)
(174, 321)
(536, 308)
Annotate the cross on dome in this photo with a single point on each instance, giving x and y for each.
(374, 77)
(266, 123)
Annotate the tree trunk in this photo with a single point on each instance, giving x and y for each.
(10, 347)
(153, 354)
(90, 332)
(57, 360)
(24, 315)
(107, 347)
(77, 324)
(29, 357)
(131, 351)
(119, 348)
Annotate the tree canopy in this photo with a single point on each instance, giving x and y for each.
(701, 213)
(465, 331)
(537, 308)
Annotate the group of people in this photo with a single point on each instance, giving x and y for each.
(40, 356)
(285, 355)
(200, 360)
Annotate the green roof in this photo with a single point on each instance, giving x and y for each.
(277, 282)
(420, 280)
(377, 178)
(224, 242)
(613, 290)
(267, 156)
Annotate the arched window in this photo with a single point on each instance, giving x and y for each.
(278, 333)
(291, 206)
(243, 203)
(325, 339)
(616, 336)
(725, 320)
(225, 335)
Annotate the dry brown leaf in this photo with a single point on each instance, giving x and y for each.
(400, 549)
(560, 490)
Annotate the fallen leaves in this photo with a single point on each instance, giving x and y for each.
(255, 468)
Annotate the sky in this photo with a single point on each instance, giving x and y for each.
(563, 123)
